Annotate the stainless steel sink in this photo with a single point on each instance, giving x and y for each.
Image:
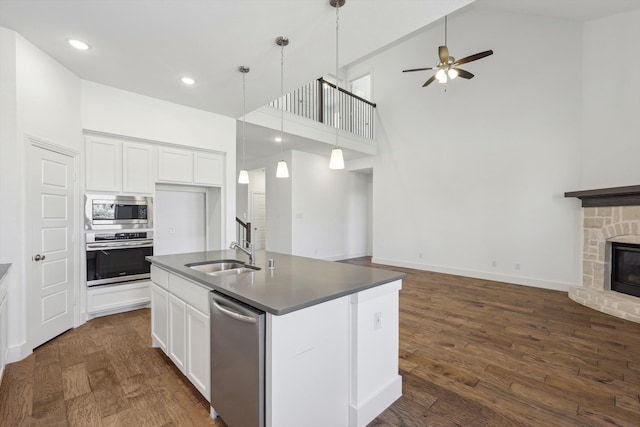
(222, 267)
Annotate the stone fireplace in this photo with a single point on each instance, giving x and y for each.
(609, 216)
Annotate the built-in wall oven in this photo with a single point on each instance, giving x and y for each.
(118, 212)
(117, 258)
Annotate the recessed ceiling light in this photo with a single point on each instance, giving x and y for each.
(78, 44)
(278, 139)
(188, 81)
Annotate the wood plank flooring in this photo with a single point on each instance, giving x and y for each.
(472, 353)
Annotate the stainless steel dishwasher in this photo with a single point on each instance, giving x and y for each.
(237, 362)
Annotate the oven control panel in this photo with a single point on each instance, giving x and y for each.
(121, 236)
(111, 237)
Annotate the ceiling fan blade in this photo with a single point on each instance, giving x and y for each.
(474, 57)
(428, 82)
(464, 73)
(417, 69)
(443, 53)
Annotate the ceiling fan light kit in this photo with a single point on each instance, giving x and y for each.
(448, 66)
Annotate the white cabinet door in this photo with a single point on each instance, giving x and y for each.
(175, 165)
(4, 331)
(177, 332)
(159, 317)
(137, 168)
(207, 168)
(198, 351)
(103, 164)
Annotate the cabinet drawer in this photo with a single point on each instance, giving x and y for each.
(160, 277)
(194, 295)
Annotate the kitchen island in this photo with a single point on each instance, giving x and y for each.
(331, 332)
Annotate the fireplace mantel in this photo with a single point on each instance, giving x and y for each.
(604, 197)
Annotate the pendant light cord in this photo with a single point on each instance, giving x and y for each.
(282, 97)
(244, 116)
(337, 78)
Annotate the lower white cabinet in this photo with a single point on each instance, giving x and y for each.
(198, 350)
(177, 331)
(159, 317)
(111, 299)
(180, 326)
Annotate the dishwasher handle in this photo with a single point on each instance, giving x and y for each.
(232, 314)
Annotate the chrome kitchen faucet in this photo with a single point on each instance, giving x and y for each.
(251, 251)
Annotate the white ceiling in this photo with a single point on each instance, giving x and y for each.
(145, 46)
(574, 10)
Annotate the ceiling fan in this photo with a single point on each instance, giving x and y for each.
(448, 66)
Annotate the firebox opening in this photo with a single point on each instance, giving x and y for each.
(625, 268)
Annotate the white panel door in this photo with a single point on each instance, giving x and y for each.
(50, 275)
(258, 215)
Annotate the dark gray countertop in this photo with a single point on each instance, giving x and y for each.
(294, 283)
(3, 270)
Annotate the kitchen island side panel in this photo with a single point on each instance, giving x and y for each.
(307, 366)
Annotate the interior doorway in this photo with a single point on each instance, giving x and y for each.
(258, 219)
(52, 275)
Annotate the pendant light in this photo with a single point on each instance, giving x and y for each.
(337, 160)
(282, 171)
(243, 176)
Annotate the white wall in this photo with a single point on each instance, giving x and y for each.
(278, 205)
(476, 174)
(611, 147)
(111, 110)
(41, 98)
(329, 209)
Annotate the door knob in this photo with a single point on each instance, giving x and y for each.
(39, 257)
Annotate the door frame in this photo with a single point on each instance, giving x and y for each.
(251, 212)
(77, 238)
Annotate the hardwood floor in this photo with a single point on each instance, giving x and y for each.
(472, 353)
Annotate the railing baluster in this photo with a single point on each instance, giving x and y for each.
(322, 101)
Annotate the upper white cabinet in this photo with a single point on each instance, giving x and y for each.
(207, 168)
(104, 164)
(119, 166)
(137, 168)
(175, 165)
(190, 167)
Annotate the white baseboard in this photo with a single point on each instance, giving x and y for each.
(345, 256)
(18, 352)
(365, 412)
(517, 280)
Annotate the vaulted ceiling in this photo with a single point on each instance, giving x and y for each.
(145, 46)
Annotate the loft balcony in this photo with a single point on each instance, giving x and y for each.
(311, 115)
(322, 102)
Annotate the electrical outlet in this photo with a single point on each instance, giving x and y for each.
(377, 320)
(420, 255)
(494, 263)
(517, 266)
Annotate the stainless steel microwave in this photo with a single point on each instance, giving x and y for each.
(118, 212)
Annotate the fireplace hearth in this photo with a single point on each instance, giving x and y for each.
(625, 268)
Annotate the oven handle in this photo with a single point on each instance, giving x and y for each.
(119, 245)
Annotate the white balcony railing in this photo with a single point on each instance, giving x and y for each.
(322, 102)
